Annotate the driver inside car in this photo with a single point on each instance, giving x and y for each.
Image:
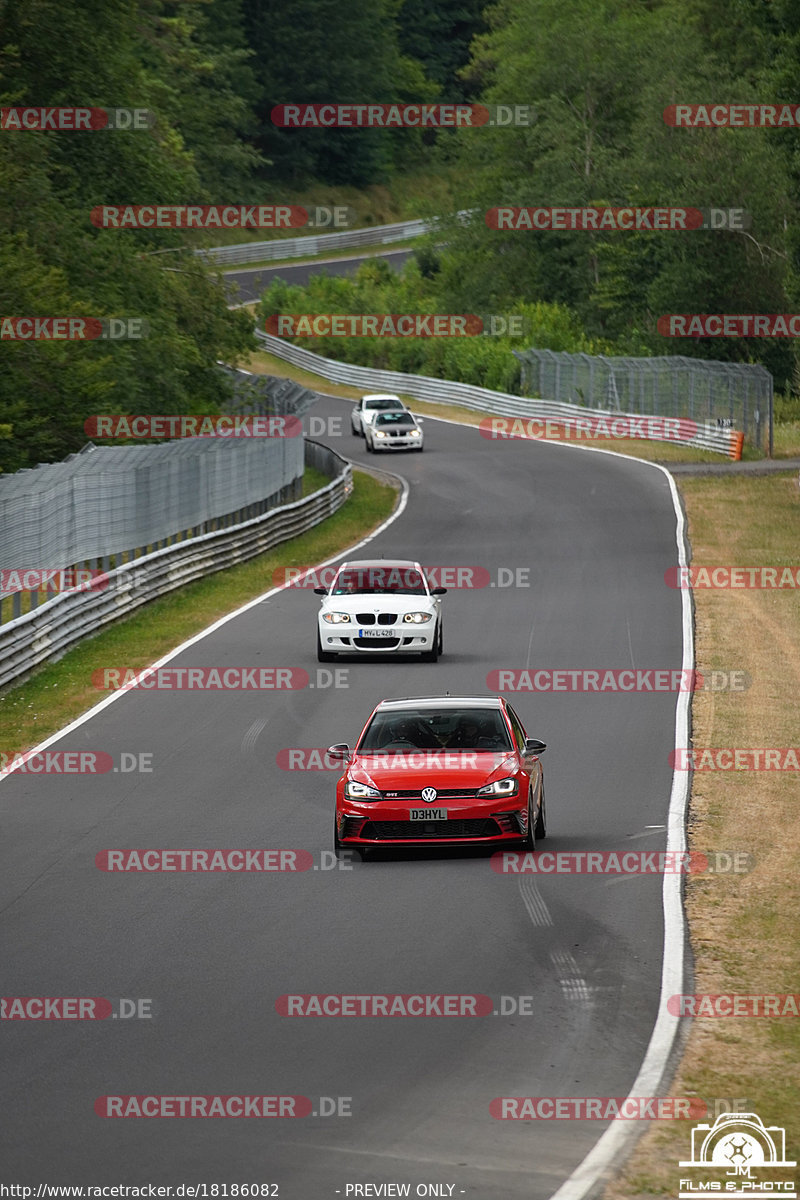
(466, 735)
(411, 732)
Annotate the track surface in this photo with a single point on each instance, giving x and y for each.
(215, 951)
(248, 283)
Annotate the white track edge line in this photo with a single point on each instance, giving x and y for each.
(617, 1141)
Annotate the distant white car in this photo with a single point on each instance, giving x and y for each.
(394, 431)
(380, 606)
(368, 406)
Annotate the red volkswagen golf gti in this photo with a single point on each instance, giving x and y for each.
(440, 770)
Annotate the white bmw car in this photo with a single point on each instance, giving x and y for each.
(394, 431)
(364, 412)
(380, 606)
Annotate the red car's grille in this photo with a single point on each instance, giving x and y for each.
(441, 794)
(389, 831)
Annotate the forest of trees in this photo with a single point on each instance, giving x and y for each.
(598, 74)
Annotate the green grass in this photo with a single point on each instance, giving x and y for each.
(59, 692)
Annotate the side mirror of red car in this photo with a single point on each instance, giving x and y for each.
(340, 750)
(534, 746)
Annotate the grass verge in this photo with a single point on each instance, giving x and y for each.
(743, 928)
(59, 692)
(423, 193)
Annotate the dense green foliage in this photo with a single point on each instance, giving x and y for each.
(598, 74)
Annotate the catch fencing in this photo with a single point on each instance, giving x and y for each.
(736, 396)
(108, 504)
(46, 631)
(709, 436)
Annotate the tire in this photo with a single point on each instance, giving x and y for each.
(338, 848)
(369, 445)
(433, 655)
(541, 823)
(529, 841)
(354, 431)
(323, 655)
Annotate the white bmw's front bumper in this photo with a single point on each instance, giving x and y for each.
(397, 443)
(402, 638)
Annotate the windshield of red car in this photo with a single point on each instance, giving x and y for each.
(395, 731)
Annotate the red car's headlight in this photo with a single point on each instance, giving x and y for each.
(360, 791)
(500, 787)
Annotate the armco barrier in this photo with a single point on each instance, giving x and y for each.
(300, 247)
(465, 395)
(49, 630)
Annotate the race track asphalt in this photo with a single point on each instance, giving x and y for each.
(214, 952)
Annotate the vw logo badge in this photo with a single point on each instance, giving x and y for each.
(429, 795)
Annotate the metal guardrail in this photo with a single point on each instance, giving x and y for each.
(465, 395)
(48, 631)
(300, 247)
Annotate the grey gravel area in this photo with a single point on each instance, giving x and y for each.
(763, 466)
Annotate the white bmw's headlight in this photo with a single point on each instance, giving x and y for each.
(417, 618)
(379, 433)
(414, 433)
(500, 787)
(360, 791)
(336, 618)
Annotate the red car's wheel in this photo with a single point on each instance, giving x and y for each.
(541, 830)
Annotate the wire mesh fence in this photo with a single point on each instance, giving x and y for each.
(728, 395)
(110, 504)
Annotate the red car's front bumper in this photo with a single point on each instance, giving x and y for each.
(387, 823)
